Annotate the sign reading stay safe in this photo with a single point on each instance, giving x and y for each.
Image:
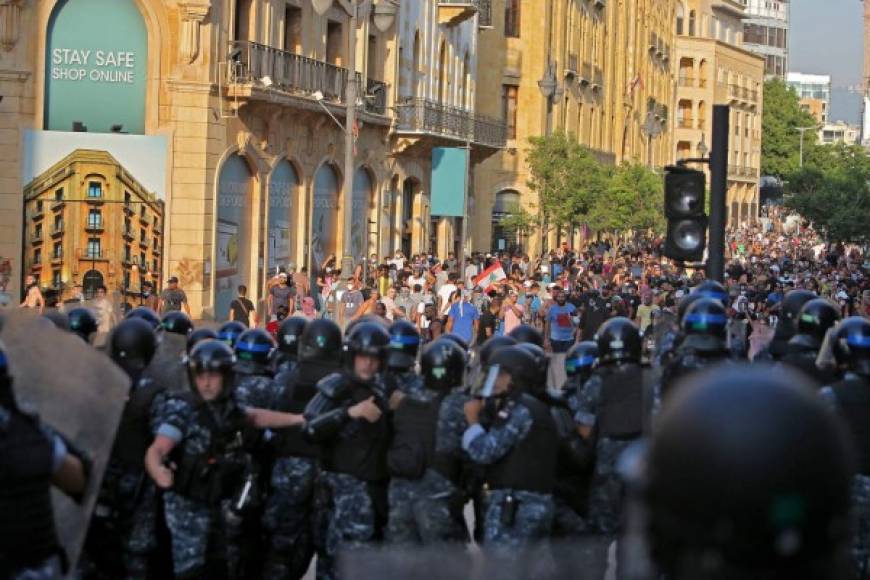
(96, 64)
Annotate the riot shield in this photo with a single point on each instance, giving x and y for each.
(77, 391)
(166, 368)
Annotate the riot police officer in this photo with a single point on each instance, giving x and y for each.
(199, 335)
(253, 377)
(145, 314)
(815, 318)
(425, 456)
(121, 538)
(519, 500)
(82, 323)
(579, 362)
(285, 356)
(287, 518)
(734, 444)
(177, 322)
(230, 332)
(401, 358)
(704, 330)
(201, 459)
(525, 333)
(32, 460)
(786, 324)
(347, 417)
(850, 397)
(613, 405)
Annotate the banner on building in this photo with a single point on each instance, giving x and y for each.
(449, 181)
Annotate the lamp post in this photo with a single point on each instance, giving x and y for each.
(803, 130)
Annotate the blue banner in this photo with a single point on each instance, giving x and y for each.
(449, 181)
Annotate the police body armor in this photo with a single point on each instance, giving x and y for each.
(623, 405)
(27, 531)
(687, 361)
(539, 448)
(364, 454)
(853, 398)
(413, 446)
(300, 386)
(216, 474)
(575, 458)
(803, 357)
(134, 432)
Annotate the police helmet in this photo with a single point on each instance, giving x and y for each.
(525, 333)
(366, 339)
(748, 476)
(320, 343)
(288, 336)
(813, 322)
(253, 348)
(460, 342)
(145, 314)
(57, 318)
(404, 345)
(618, 341)
(521, 365)
(852, 345)
(442, 365)
(541, 361)
(198, 336)
(133, 344)
(711, 289)
(685, 302)
(491, 346)
(580, 358)
(706, 317)
(212, 356)
(177, 322)
(230, 332)
(792, 304)
(82, 322)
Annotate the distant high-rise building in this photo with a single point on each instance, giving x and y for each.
(865, 113)
(814, 92)
(765, 32)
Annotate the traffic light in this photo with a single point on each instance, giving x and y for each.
(685, 190)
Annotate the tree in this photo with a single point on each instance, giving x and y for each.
(632, 200)
(780, 139)
(832, 191)
(567, 178)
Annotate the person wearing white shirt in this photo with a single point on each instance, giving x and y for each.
(444, 294)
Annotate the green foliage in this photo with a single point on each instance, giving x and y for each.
(780, 139)
(832, 192)
(573, 188)
(520, 221)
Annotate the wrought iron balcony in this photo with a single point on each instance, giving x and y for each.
(421, 116)
(291, 73)
(92, 254)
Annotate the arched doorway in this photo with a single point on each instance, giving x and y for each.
(361, 210)
(92, 280)
(233, 237)
(503, 237)
(409, 193)
(324, 216)
(280, 236)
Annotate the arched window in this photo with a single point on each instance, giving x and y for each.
(505, 237)
(681, 15)
(691, 23)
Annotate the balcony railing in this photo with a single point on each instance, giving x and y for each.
(686, 123)
(458, 11)
(295, 74)
(57, 230)
(94, 226)
(92, 254)
(686, 81)
(423, 116)
(36, 238)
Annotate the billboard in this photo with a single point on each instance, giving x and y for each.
(449, 181)
(233, 239)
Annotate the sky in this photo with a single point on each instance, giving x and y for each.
(827, 38)
(145, 157)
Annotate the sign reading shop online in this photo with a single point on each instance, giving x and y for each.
(99, 66)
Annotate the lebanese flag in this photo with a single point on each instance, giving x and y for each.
(489, 277)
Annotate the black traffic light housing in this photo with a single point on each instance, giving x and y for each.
(685, 194)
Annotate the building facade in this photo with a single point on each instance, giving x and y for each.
(713, 68)
(839, 132)
(766, 33)
(599, 71)
(251, 97)
(89, 222)
(814, 92)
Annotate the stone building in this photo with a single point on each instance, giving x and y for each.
(713, 68)
(89, 222)
(600, 71)
(250, 95)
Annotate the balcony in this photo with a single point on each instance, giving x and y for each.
(424, 117)
(597, 80)
(57, 230)
(58, 204)
(453, 12)
(143, 244)
(571, 67)
(37, 214)
(56, 259)
(128, 208)
(686, 123)
(585, 73)
(94, 227)
(742, 173)
(95, 200)
(92, 255)
(686, 82)
(144, 219)
(128, 234)
(36, 238)
(256, 67)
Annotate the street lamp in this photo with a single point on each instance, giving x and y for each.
(803, 130)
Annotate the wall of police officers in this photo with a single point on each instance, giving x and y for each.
(237, 457)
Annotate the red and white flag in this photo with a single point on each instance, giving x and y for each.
(490, 276)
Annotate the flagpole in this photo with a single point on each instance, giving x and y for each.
(464, 233)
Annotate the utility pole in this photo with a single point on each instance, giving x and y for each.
(350, 122)
(718, 193)
(803, 130)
